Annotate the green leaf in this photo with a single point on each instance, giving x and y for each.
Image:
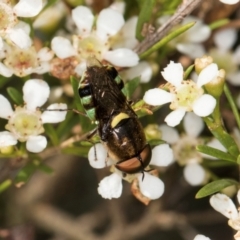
(219, 23)
(51, 132)
(188, 71)
(215, 186)
(5, 185)
(167, 39)
(216, 153)
(144, 16)
(15, 95)
(130, 87)
(155, 142)
(3, 81)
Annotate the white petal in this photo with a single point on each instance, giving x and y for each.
(20, 38)
(111, 186)
(193, 50)
(169, 134)
(201, 237)
(216, 144)
(229, 1)
(80, 68)
(45, 54)
(118, 6)
(173, 73)
(162, 155)
(151, 186)
(5, 108)
(5, 71)
(83, 18)
(62, 47)
(121, 57)
(175, 117)
(98, 157)
(207, 74)
(143, 69)
(204, 105)
(7, 139)
(35, 93)
(42, 68)
(194, 174)
(224, 39)
(36, 144)
(193, 124)
(234, 78)
(28, 8)
(238, 196)
(157, 96)
(54, 116)
(223, 204)
(109, 22)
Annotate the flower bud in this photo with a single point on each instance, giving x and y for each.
(201, 63)
(152, 132)
(215, 87)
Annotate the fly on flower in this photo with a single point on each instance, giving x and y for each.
(118, 125)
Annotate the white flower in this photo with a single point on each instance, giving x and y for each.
(25, 123)
(150, 186)
(23, 62)
(190, 42)
(223, 55)
(223, 204)
(201, 237)
(111, 186)
(185, 96)
(9, 29)
(95, 42)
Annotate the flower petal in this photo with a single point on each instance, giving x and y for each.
(36, 144)
(121, 57)
(229, 1)
(204, 105)
(193, 124)
(233, 78)
(62, 47)
(169, 134)
(175, 117)
(162, 155)
(98, 157)
(83, 18)
(109, 22)
(45, 54)
(151, 186)
(157, 96)
(7, 139)
(20, 38)
(194, 174)
(35, 93)
(173, 73)
(193, 50)
(5, 71)
(143, 69)
(54, 116)
(207, 74)
(223, 204)
(201, 237)
(225, 39)
(28, 8)
(111, 186)
(5, 107)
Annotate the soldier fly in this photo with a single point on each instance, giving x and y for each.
(120, 131)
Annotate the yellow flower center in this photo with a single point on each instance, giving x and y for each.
(185, 95)
(24, 123)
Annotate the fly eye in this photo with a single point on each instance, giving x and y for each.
(136, 163)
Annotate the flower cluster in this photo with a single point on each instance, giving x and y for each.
(25, 123)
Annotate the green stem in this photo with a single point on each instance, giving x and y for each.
(232, 104)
